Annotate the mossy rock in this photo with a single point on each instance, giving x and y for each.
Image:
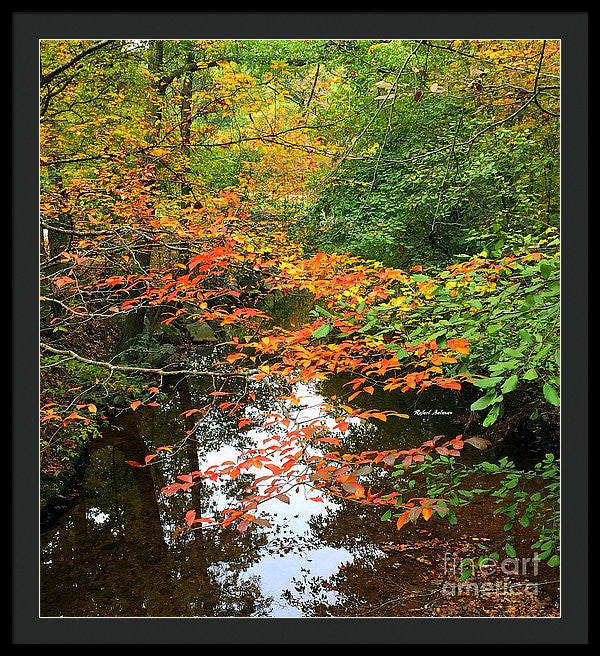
(200, 332)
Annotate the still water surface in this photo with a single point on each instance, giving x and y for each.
(113, 554)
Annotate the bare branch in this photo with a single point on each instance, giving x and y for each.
(146, 370)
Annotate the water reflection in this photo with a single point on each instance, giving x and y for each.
(113, 553)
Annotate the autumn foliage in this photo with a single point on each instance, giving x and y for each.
(166, 201)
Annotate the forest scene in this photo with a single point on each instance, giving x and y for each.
(299, 328)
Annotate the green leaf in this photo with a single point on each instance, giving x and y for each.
(492, 415)
(513, 353)
(554, 561)
(486, 383)
(323, 311)
(510, 384)
(442, 341)
(401, 354)
(530, 374)
(510, 550)
(368, 326)
(489, 467)
(484, 402)
(550, 394)
(386, 515)
(525, 336)
(323, 331)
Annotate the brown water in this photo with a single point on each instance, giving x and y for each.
(112, 553)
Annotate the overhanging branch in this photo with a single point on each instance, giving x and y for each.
(145, 370)
(46, 79)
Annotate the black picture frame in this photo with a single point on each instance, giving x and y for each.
(572, 626)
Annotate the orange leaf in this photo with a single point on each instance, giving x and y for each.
(187, 413)
(402, 520)
(328, 440)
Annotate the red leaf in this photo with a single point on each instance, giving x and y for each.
(190, 516)
(243, 525)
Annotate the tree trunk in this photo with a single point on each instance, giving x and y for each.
(133, 324)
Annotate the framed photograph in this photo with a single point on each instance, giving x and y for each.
(300, 341)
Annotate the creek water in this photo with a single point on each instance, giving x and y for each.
(112, 553)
